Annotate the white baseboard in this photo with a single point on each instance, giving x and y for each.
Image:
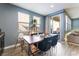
(11, 46)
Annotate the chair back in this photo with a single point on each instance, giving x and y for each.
(44, 45)
(54, 40)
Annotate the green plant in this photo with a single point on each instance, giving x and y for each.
(34, 21)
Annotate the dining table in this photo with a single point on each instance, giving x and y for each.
(35, 39)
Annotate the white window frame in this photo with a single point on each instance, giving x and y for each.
(23, 20)
(38, 19)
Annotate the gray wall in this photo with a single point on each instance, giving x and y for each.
(75, 23)
(8, 23)
(62, 26)
(9, 19)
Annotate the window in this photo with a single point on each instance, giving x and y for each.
(54, 23)
(23, 22)
(37, 22)
(37, 19)
(68, 23)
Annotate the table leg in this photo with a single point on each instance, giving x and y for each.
(28, 50)
(22, 45)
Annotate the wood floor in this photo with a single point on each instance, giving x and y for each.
(61, 49)
(14, 52)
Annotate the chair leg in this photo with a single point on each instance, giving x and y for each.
(16, 44)
(22, 45)
(50, 51)
(53, 49)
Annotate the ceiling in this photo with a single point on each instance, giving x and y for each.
(44, 8)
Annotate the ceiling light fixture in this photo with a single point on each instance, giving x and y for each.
(51, 6)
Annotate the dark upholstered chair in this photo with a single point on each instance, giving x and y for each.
(54, 40)
(48, 42)
(44, 45)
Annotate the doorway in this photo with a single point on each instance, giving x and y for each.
(55, 25)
